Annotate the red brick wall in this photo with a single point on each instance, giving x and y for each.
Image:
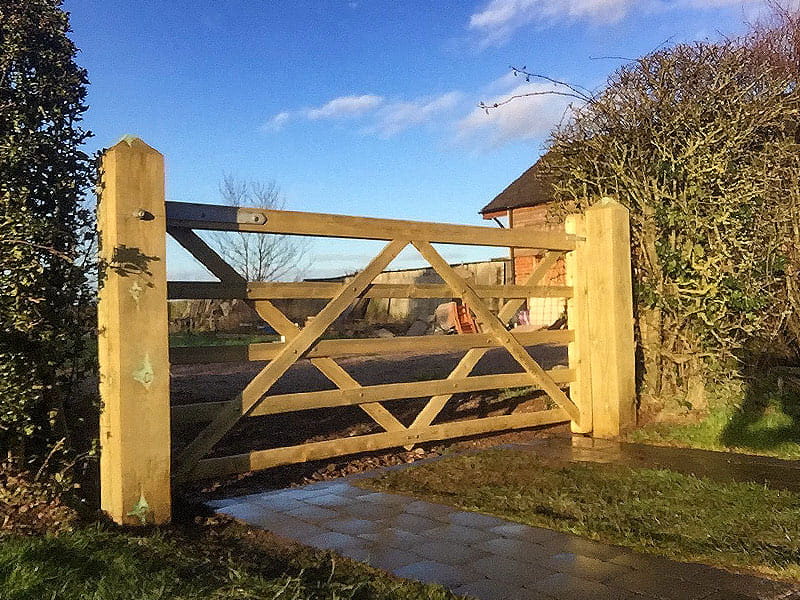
(524, 266)
(526, 260)
(542, 312)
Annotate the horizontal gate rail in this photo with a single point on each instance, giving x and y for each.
(432, 344)
(264, 459)
(282, 403)
(227, 218)
(199, 290)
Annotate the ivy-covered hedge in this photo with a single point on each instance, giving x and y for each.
(45, 300)
(700, 141)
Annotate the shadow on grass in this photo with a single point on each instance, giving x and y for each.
(769, 416)
(103, 564)
(189, 563)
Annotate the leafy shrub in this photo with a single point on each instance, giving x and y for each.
(45, 300)
(700, 142)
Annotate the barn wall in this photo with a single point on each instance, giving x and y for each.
(542, 312)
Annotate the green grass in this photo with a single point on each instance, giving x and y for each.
(683, 517)
(211, 338)
(98, 563)
(762, 418)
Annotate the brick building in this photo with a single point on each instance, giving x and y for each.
(524, 203)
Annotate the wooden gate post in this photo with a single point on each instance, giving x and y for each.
(610, 317)
(133, 337)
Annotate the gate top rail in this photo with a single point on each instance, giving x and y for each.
(229, 218)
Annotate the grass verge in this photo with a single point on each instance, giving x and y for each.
(208, 562)
(761, 417)
(210, 338)
(682, 517)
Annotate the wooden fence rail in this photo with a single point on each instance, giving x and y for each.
(137, 465)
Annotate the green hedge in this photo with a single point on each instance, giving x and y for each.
(46, 301)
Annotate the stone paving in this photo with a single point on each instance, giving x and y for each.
(478, 555)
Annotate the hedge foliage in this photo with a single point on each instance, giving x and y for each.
(700, 141)
(45, 300)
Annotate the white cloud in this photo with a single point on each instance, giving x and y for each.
(378, 116)
(277, 122)
(401, 115)
(525, 118)
(345, 106)
(499, 19)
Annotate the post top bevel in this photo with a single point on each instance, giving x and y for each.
(133, 142)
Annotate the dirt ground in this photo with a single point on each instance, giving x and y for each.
(216, 382)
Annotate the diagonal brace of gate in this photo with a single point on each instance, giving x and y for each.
(255, 391)
(496, 327)
(326, 365)
(473, 356)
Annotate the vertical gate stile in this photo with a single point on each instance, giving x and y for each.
(580, 390)
(132, 336)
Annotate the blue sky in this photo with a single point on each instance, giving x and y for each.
(364, 107)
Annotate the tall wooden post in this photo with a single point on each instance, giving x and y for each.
(576, 262)
(133, 336)
(610, 318)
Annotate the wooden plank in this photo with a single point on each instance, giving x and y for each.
(424, 344)
(224, 218)
(182, 290)
(272, 315)
(610, 308)
(205, 290)
(281, 403)
(132, 338)
(253, 393)
(397, 391)
(576, 263)
(326, 365)
(496, 327)
(206, 256)
(265, 459)
(472, 357)
(344, 381)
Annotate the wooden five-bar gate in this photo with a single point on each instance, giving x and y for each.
(137, 464)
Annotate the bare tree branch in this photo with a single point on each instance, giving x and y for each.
(572, 91)
(259, 256)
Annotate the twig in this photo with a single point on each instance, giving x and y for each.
(53, 251)
(57, 446)
(575, 91)
(585, 93)
(486, 107)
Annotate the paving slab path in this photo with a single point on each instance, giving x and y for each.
(479, 555)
